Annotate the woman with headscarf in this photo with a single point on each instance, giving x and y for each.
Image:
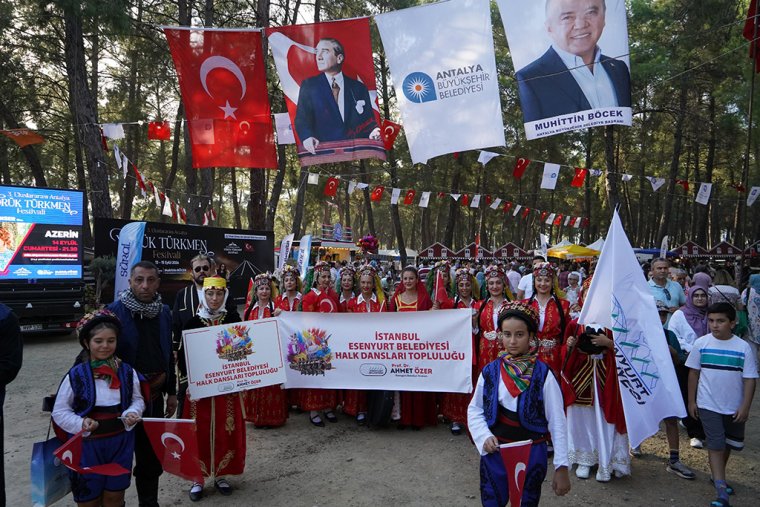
(553, 312)
(418, 409)
(370, 299)
(517, 398)
(322, 298)
(265, 407)
(497, 296)
(572, 293)
(220, 427)
(454, 405)
(689, 323)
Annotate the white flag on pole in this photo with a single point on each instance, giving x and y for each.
(627, 177)
(113, 130)
(495, 203)
(425, 199)
(619, 299)
(664, 247)
(475, 201)
(351, 187)
(430, 48)
(550, 219)
(753, 193)
(395, 193)
(455, 196)
(313, 179)
(703, 194)
(486, 156)
(549, 179)
(517, 210)
(656, 182)
(117, 155)
(167, 207)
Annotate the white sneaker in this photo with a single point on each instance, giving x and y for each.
(618, 474)
(583, 471)
(602, 476)
(696, 443)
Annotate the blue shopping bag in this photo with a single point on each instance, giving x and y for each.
(50, 477)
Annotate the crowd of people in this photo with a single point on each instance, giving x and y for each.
(537, 372)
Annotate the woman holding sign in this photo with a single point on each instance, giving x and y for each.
(320, 298)
(454, 405)
(370, 299)
(498, 296)
(219, 419)
(265, 407)
(418, 409)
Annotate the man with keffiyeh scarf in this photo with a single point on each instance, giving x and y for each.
(146, 344)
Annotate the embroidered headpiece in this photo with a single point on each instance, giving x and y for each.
(462, 274)
(544, 269)
(521, 310)
(347, 270)
(92, 319)
(321, 266)
(262, 279)
(368, 269)
(214, 282)
(495, 271)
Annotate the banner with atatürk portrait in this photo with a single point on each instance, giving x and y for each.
(327, 74)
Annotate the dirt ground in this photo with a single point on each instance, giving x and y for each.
(346, 465)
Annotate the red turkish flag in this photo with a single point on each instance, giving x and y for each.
(520, 165)
(176, 446)
(440, 287)
(558, 219)
(465, 200)
(140, 182)
(544, 215)
(515, 456)
(749, 34)
(377, 193)
(507, 207)
(572, 221)
(579, 178)
(224, 91)
(441, 195)
(488, 199)
(70, 455)
(684, 184)
(525, 213)
(409, 197)
(23, 137)
(331, 187)
(584, 222)
(159, 130)
(390, 131)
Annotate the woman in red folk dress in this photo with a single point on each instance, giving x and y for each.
(370, 299)
(418, 409)
(348, 287)
(265, 407)
(497, 296)
(290, 299)
(446, 302)
(321, 298)
(554, 314)
(220, 427)
(454, 405)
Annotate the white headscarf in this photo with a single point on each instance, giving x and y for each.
(205, 312)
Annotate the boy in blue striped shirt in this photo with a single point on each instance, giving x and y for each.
(721, 386)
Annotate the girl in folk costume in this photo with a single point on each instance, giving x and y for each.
(290, 299)
(597, 433)
(321, 298)
(348, 287)
(518, 398)
(265, 407)
(444, 267)
(370, 299)
(418, 409)
(454, 405)
(220, 427)
(498, 295)
(554, 314)
(100, 378)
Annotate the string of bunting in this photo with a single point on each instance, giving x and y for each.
(550, 218)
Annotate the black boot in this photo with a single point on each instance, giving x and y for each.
(147, 491)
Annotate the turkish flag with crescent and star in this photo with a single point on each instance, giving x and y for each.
(390, 132)
(70, 455)
(377, 193)
(159, 131)
(521, 164)
(331, 187)
(515, 456)
(176, 446)
(409, 197)
(224, 91)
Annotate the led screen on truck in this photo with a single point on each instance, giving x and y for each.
(40, 233)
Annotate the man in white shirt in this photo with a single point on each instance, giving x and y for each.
(525, 287)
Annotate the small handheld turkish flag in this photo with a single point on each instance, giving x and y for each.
(159, 130)
(70, 455)
(176, 446)
(331, 187)
(520, 165)
(390, 131)
(515, 456)
(409, 197)
(377, 193)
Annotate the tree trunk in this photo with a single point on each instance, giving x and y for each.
(587, 193)
(235, 200)
(451, 221)
(178, 130)
(134, 134)
(666, 220)
(704, 214)
(5, 170)
(84, 111)
(82, 185)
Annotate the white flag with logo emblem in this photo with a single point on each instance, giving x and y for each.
(425, 199)
(703, 194)
(475, 201)
(551, 172)
(443, 68)
(753, 193)
(656, 182)
(395, 195)
(495, 203)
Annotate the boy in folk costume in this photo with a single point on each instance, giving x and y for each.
(101, 395)
(265, 407)
(518, 398)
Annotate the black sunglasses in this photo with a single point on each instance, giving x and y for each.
(667, 293)
(198, 269)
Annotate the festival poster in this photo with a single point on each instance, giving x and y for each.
(409, 351)
(442, 62)
(230, 358)
(552, 43)
(328, 76)
(40, 233)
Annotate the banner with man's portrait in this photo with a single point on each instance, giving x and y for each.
(327, 74)
(571, 63)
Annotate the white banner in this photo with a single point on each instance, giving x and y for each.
(656, 182)
(495, 203)
(703, 194)
(285, 247)
(233, 357)
(425, 199)
(409, 351)
(395, 193)
(129, 253)
(443, 67)
(549, 178)
(304, 252)
(475, 201)
(619, 299)
(284, 129)
(752, 196)
(486, 156)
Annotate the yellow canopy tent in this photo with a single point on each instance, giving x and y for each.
(572, 252)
